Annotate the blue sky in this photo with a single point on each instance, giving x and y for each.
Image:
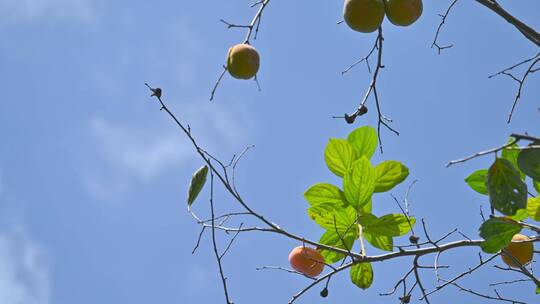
(93, 176)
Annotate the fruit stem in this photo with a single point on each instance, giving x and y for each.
(361, 238)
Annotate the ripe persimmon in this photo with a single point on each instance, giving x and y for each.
(520, 250)
(306, 260)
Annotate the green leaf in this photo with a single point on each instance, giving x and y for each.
(497, 233)
(389, 174)
(362, 275)
(512, 156)
(533, 208)
(477, 181)
(380, 241)
(388, 225)
(331, 238)
(325, 193)
(367, 208)
(507, 192)
(537, 290)
(197, 183)
(529, 162)
(520, 215)
(536, 186)
(359, 183)
(339, 156)
(364, 141)
(330, 216)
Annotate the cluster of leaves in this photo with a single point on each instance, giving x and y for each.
(346, 214)
(505, 184)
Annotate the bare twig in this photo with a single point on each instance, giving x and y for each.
(497, 296)
(214, 243)
(444, 16)
(372, 90)
(218, 82)
(468, 272)
(521, 81)
(516, 139)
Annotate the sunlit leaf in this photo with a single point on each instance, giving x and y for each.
(359, 183)
(197, 183)
(389, 225)
(520, 215)
(497, 233)
(325, 193)
(331, 238)
(533, 208)
(362, 275)
(380, 241)
(477, 181)
(389, 174)
(331, 216)
(339, 156)
(364, 141)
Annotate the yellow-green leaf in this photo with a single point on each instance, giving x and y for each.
(197, 183)
(339, 156)
(389, 174)
(364, 141)
(362, 275)
(359, 183)
(533, 208)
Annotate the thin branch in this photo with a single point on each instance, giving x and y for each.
(468, 272)
(485, 296)
(516, 139)
(214, 243)
(216, 85)
(251, 27)
(444, 16)
(372, 90)
(283, 269)
(526, 30)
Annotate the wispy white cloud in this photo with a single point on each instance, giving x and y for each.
(128, 154)
(137, 149)
(16, 11)
(24, 269)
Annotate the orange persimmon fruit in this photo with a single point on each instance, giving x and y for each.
(521, 250)
(306, 260)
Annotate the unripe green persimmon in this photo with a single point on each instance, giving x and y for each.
(403, 12)
(242, 61)
(363, 15)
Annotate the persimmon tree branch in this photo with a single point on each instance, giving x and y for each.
(516, 139)
(530, 33)
(221, 171)
(527, 31)
(362, 109)
(493, 5)
(252, 32)
(531, 68)
(443, 16)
